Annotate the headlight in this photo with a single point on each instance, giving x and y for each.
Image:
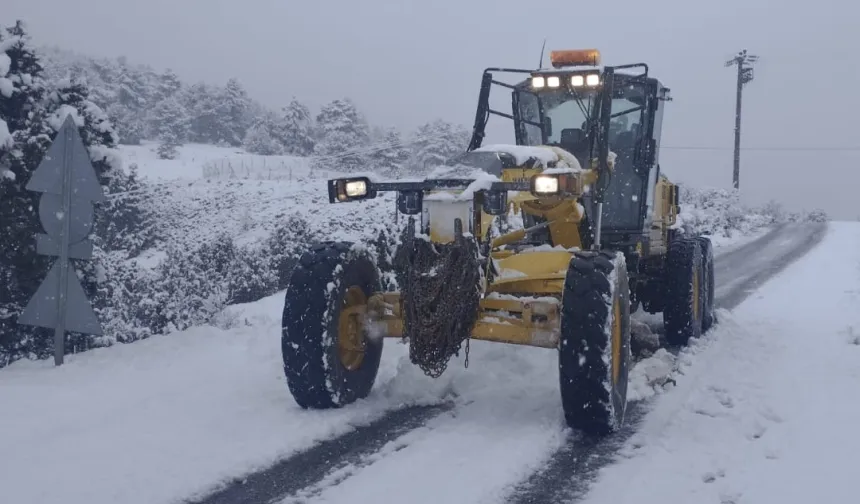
(350, 189)
(592, 80)
(577, 80)
(356, 188)
(538, 82)
(553, 81)
(545, 184)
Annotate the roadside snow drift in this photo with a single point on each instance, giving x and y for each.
(766, 410)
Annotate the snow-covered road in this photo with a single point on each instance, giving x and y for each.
(766, 411)
(165, 418)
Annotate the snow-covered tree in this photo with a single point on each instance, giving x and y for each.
(436, 142)
(202, 103)
(251, 276)
(390, 156)
(21, 92)
(171, 121)
(169, 84)
(128, 123)
(235, 108)
(259, 140)
(295, 129)
(344, 137)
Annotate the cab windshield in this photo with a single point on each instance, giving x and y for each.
(568, 116)
(565, 118)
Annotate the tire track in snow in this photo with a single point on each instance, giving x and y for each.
(313, 465)
(570, 470)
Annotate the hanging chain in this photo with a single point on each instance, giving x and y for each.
(440, 287)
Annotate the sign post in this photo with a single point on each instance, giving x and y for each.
(69, 187)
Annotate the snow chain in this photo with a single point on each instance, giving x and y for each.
(440, 288)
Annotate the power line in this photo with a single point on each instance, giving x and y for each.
(767, 149)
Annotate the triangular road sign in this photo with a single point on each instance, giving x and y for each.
(48, 177)
(41, 311)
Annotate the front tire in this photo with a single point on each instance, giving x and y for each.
(328, 359)
(594, 348)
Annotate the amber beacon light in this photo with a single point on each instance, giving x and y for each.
(574, 57)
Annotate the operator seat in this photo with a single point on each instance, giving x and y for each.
(574, 141)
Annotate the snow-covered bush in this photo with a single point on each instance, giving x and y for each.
(720, 212)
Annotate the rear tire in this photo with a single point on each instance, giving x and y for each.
(685, 291)
(322, 281)
(594, 347)
(708, 318)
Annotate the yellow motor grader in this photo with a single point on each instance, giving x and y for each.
(598, 240)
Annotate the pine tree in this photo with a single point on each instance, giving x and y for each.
(259, 140)
(235, 108)
(171, 122)
(20, 94)
(128, 124)
(169, 84)
(128, 225)
(295, 130)
(201, 102)
(344, 136)
(391, 156)
(22, 90)
(437, 142)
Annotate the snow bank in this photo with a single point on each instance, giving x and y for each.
(763, 395)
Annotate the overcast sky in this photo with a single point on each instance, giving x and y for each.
(406, 62)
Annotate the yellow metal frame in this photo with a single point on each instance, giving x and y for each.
(521, 301)
(533, 323)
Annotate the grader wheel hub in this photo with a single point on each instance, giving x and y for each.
(351, 330)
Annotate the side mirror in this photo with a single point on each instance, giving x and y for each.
(350, 189)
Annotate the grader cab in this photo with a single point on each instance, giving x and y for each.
(597, 242)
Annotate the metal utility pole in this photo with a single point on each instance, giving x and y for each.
(744, 62)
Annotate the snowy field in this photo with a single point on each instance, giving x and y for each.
(196, 161)
(170, 416)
